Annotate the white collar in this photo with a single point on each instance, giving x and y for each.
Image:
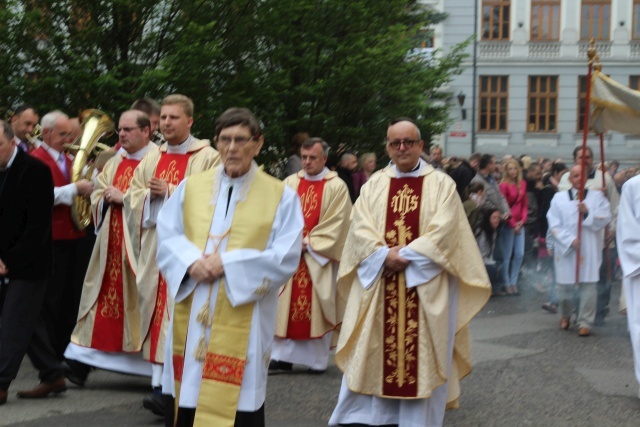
(55, 154)
(182, 148)
(414, 173)
(138, 155)
(318, 177)
(13, 156)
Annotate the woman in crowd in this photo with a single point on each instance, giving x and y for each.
(514, 189)
(486, 235)
(367, 163)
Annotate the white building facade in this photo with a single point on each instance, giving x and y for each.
(524, 83)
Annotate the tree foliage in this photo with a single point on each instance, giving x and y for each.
(336, 69)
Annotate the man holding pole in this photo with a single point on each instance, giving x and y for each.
(563, 217)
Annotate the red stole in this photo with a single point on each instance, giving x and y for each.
(62, 225)
(299, 325)
(401, 321)
(108, 327)
(172, 168)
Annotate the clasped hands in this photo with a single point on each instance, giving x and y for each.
(206, 269)
(113, 195)
(3, 269)
(158, 188)
(394, 263)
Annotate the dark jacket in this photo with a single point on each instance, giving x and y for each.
(463, 175)
(26, 205)
(347, 176)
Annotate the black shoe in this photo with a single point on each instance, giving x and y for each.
(154, 403)
(278, 366)
(76, 372)
(316, 371)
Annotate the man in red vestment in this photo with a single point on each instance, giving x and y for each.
(64, 290)
(154, 181)
(107, 334)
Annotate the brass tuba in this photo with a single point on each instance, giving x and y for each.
(96, 124)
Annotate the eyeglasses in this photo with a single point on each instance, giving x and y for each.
(127, 130)
(408, 143)
(239, 140)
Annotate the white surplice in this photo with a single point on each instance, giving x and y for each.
(563, 225)
(628, 243)
(244, 271)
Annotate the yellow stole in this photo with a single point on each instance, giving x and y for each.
(224, 363)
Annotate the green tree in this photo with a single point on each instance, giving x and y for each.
(336, 69)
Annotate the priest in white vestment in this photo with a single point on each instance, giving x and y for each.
(228, 239)
(412, 278)
(628, 239)
(307, 303)
(563, 227)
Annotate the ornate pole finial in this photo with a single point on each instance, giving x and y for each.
(597, 64)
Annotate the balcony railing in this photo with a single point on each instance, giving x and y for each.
(635, 48)
(603, 48)
(544, 50)
(494, 50)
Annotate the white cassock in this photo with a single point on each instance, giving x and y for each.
(628, 242)
(244, 270)
(563, 225)
(354, 408)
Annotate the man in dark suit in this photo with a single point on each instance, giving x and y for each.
(26, 203)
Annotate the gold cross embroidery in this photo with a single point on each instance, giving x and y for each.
(264, 288)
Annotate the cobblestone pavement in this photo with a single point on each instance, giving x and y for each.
(527, 372)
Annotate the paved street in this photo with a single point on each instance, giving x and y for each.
(527, 372)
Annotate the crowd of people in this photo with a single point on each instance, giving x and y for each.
(206, 274)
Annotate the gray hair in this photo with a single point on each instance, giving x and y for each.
(49, 120)
(313, 141)
(406, 119)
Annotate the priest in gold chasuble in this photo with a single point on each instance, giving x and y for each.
(306, 305)
(154, 181)
(107, 334)
(410, 279)
(228, 239)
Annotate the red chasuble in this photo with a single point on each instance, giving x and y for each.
(401, 321)
(171, 168)
(299, 325)
(108, 328)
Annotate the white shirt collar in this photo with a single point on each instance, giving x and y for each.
(182, 148)
(13, 157)
(415, 171)
(138, 155)
(55, 155)
(318, 177)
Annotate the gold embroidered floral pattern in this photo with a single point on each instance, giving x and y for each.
(401, 310)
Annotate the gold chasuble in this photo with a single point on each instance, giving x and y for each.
(306, 305)
(223, 366)
(109, 319)
(393, 340)
(152, 291)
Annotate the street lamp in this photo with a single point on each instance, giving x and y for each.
(461, 98)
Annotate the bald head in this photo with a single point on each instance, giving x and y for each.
(574, 176)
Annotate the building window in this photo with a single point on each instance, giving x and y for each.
(634, 82)
(595, 20)
(495, 19)
(545, 20)
(543, 103)
(636, 20)
(494, 94)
